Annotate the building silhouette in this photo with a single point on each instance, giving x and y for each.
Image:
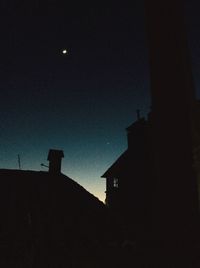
(48, 220)
(130, 180)
(175, 215)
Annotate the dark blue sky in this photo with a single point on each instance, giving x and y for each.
(80, 102)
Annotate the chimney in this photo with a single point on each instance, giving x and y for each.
(55, 158)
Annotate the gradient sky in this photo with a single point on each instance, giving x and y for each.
(82, 101)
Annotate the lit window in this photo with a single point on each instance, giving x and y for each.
(115, 183)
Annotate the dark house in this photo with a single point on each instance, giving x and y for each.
(130, 182)
(47, 219)
(129, 179)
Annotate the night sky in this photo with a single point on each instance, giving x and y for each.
(81, 101)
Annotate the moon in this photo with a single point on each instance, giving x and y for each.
(64, 51)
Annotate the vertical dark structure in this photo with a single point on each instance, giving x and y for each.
(175, 209)
(55, 158)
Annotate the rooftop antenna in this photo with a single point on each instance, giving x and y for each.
(19, 161)
(43, 165)
(138, 114)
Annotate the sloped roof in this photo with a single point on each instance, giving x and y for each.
(118, 166)
(141, 122)
(54, 209)
(27, 179)
(132, 155)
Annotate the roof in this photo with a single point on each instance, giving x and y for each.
(118, 166)
(28, 181)
(132, 155)
(140, 122)
(50, 208)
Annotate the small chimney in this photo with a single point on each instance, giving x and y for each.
(55, 158)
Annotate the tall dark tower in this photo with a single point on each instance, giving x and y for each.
(175, 206)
